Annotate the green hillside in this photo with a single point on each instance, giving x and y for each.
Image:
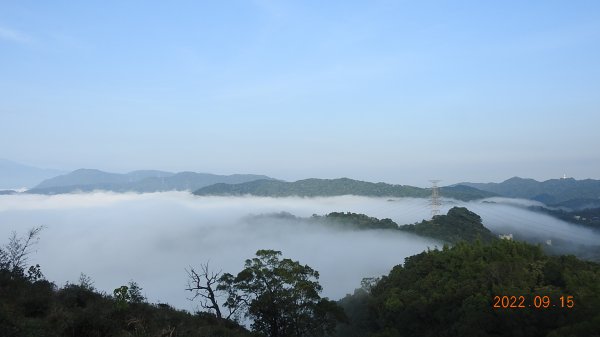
(450, 292)
(35, 308)
(459, 224)
(335, 187)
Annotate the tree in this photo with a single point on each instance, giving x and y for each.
(135, 293)
(132, 293)
(122, 298)
(450, 292)
(15, 255)
(86, 282)
(203, 284)
(281, 297)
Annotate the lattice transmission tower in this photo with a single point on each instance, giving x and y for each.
(436, 201)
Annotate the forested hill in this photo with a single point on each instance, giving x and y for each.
(335, 187)
(451, 292)
(87, 180)
(340, 220)
(554, 191)
(459, 224)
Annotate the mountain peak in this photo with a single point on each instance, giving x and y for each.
(517, 179)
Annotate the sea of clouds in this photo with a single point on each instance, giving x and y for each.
(152, 238)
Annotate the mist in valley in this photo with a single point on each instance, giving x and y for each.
(151, 238)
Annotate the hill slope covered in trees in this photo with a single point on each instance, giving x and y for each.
(451, 292)
(447, 292)
(459, 224)
(335, 187)
(31, 306)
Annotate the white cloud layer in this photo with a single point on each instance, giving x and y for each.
(151, 238)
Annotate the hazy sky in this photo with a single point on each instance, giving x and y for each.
(396, 91)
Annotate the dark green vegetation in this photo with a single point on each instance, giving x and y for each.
(355, 220)
(450, 292)
(335, 187)
(459, 224)
(447, 292)
(312, 188)
(281, 297)
(340, 220)
(38, 308)
(137, 181)
(32, 306)
(550, 192)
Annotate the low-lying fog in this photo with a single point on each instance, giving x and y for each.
(151, 238)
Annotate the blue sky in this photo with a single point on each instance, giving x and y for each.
(396, 91)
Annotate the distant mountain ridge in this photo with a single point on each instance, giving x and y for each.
(15, 175)
(550, 192)
(87, 180)
(92, 177)
(334, 187)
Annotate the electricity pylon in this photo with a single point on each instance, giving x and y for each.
(435, 201)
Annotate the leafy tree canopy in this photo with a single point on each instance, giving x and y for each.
(459, 224)
(281, 297)
(450, 292)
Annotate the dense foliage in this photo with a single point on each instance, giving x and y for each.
(356, 220)
(40, 309)
(281, 297)
(334, 187)
(450, 292)
(32, 306)
(459, 224)
(340, 220)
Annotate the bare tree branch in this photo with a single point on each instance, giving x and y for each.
(203, 284)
